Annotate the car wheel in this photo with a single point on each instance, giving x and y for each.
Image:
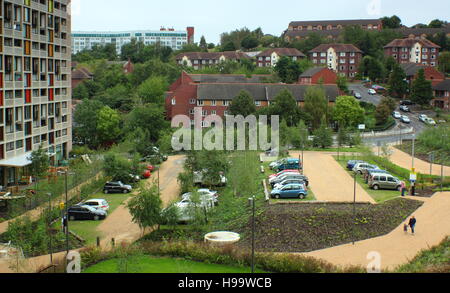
(301, 196)
(72, 218)
(105, 191)
(125, 191)
(360, 172)
(376, 187)
(277, 196)
(96, 218)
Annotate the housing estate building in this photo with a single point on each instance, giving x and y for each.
(168, 37)
(80, 75)
(431, 73)
(35, 84)
(270, 57)
(342, 58)
(413, 50)
(199, 60)
(331, 29)
(318, 75)
(214, 93)
(442, 95)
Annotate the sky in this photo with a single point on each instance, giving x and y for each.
(211, 17)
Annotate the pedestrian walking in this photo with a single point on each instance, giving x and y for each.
(412, 224)
(405, 228)
(403, 188)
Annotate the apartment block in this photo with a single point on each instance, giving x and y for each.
(341, 58)
(35, 84)
(168, 37)
(270, 57)
(442, 95)
(199, 60)
(413, 50)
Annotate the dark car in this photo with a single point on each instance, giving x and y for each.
(406, 103)
(82, 212)
(117, 187)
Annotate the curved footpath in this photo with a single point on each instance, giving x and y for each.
(397, 248)
(404, 160)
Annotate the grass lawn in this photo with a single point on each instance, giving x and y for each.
(148, 264)
(378, 195)
(88, 229)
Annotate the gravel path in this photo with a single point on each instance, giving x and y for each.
(329, 181)
(404, 160)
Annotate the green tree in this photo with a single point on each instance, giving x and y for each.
(150, 118)
(229, 47)
(80, 92)
(146, 209)
(316, 105)
(397, 82)
(390, 103)
(348, 112)
(153, 89)
(203, 44)
(285, 106)
(85, 117)
(249, 42)
(342, 84)
(392, 22)
(382, 114)
(299, 136)
(288, 70)
(243, 104)
(323, 136)
(444, 62)
(372, 68)
(108, 125)
(343, 137)
(39, 162)
(118, 168)
(437, 23)
(422, 91)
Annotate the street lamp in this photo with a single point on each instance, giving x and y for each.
(413, 187)
(252, 203)
(49, 226)
(354, 208)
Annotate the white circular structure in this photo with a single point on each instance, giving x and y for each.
(222, 238)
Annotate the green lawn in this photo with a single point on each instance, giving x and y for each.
(88, 229)
(378, 195)
(148, 264)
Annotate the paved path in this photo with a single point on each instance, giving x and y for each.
(329, 181)
(404, 160)
(398, 248)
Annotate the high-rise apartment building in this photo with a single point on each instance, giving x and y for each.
(35, 90)
(166, 37)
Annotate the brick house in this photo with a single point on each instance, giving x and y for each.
(214, 93)
(80, 75)
(342, 58)
(431, 73)
(318, 75)
(442, 95)
(199, 60)
(127, 66)
(413, 50)
(270, 57)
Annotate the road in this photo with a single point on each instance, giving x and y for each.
(360, 88)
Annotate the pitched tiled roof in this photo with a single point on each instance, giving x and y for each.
(336, 22)
(305, 33)
(259, 92)
(291, 52)
(409, 42)
(423, 31)
(212, 55)
(82, 73)
(443, 86)
(312, 71)
(337, 47)
(411, 69)
(228, 78)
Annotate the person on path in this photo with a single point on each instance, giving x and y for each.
(412, 224)
(403, 188)
(405, 228)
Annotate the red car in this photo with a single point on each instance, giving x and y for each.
(282, 172)
(151, 168)
(147, 174)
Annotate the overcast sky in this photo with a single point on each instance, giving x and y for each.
(211, 17)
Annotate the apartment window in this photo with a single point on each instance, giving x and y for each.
(323, 54)
(213, 103)
(323, 61)
(314, 54)
(258, 103)
(200, 103)
(352, 54)
(204, 113)
(213, 112)
(19, 144)
(226, 103)
(10, 146)
(37, 139)
(192, 111)
(343, 54)
(225, 113)
(174, 102)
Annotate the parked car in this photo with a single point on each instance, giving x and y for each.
(204, 195)
(199, 179)
(84, 212)
(276, 163)
(372, 92)
(405, 119)
(97, 204)
(430, 121)
(186, 206)
(397, 115)
(299, 177)
(384, 181)
(283, 172)
(135, 178)
(117, 187)
(288, 177)
(357, 95)
(277, 178)
(368, 172)
(405, 109)
(290, 181)
(423, 118)
(360, 167)
(289, 164)
(406, 103)
(351, 164)
(290, 191)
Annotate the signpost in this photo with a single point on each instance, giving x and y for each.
(413, 180)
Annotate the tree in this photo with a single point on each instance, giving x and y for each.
(342, 84)
(323, 136)
(316, 105)
(249, 42)
(203, 44)
(299, 136)
(422, 91)
(150, 118)
(152, 90)
(348, 112)
(85, 117)
(392, 22)
(80, 92)
(382, 114)
(444, 62)
(118, 168)
(229, 47)
(372, 68)
(39, 162)
(398, 86)
(243, 104)
(108, 125)
(285, 106)
(146, 209)
(288, 70)
(343, 137)
(390, 103)
(437, 23)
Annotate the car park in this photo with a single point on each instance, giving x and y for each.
(379, 181)
(117, 187)
(372, 92)
(290, 191)
(360, 167)
(84, 212)
(405, 119)
(423, 118)
(97, 204)
(357, 95)
(351, 164)
(397, 115)
(405, 109)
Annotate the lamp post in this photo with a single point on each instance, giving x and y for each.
(252, 203)
(413, 187)
(49, 226)
(354, 208)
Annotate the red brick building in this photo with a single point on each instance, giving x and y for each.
(318, 75)
(199, 60)
(413, 50)
(442, 95)
(79, 75)
(431, 73)
(342, 58)
(214, 93)
(270, 57)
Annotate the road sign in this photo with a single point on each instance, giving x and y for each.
(362, 127)
(61, 206)
(413, 177)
